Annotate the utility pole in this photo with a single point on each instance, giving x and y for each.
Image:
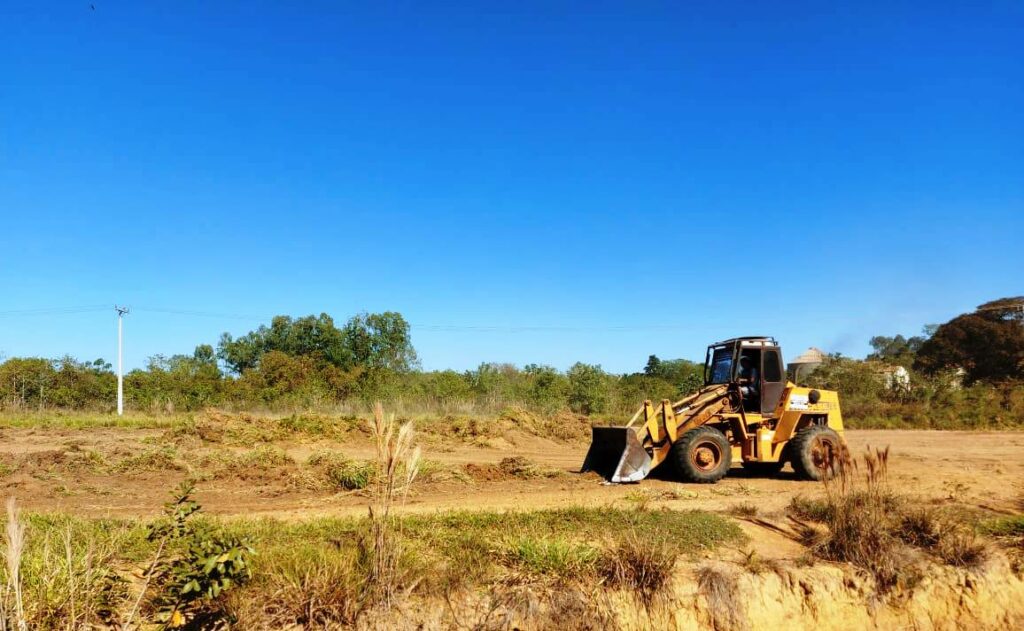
(120, 359)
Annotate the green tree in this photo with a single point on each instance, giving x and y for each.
(81, 384)
(636, 388)
(446, 386)
(897, 349)
(379, 341)
(310, 336)
(987, 344)
(685, 375)
(373, 342)
(548, 389)
(26, 381)
(588, 391)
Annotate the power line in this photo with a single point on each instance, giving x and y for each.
(52, 311)
(453, 328)
(203, 314)
(513, 328)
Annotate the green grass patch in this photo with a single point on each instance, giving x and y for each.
(557, 557)
(1003, 526)
(319, 566)
(86, 420)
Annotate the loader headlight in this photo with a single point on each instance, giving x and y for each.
(813, 396)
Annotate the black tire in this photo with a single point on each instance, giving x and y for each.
(763, 469)
(702, 455)
(813, 450)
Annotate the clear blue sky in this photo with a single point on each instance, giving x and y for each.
(820, 171)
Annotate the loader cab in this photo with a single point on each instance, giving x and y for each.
(762, 357)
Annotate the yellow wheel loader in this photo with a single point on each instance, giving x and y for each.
(747, 411)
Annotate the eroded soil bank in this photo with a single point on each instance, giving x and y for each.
(726, 597)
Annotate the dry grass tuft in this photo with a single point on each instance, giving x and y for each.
(870, 526)
(641, 565)
(721, 592)
(757, 564)
(12, 607)
(532, 605)
(512, 467)
(158, 459)
(859, 519)
(746, 510)
(313, 591)
(397, 466)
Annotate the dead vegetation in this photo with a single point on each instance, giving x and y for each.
(397, 465)
(718, 585)
(862, 521)
(510, 468)
(640, 564)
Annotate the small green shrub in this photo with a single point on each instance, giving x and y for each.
(194, 566)
(550, 556)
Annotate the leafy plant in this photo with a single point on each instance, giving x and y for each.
(192, 567)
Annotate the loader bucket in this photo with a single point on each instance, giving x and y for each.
(617, 455)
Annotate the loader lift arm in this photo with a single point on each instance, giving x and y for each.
(629, 453)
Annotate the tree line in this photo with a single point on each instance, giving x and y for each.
(310, 361)
(965, 373)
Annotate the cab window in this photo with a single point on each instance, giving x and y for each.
(720, 366)
(772, 372)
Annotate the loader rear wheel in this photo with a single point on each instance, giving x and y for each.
(702, 455)
(814, 451)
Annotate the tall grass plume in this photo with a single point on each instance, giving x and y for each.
(397, 465)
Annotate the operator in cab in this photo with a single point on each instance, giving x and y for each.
(750, 381)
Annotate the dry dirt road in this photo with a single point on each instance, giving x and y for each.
(976, 468)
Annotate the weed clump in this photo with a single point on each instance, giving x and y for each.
(158, 459)
(640, 565)
(511, 468)
(550, 556)
(264, 457)
(870, 526)
(313, 588)
(641, 499)
(524, 468)
(342, 472)
(744, 509)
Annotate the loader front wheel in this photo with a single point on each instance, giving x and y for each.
(702, 455)
(814, 451)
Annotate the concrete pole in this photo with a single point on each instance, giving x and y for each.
(120, 359)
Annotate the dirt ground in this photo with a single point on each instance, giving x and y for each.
(982, 469)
